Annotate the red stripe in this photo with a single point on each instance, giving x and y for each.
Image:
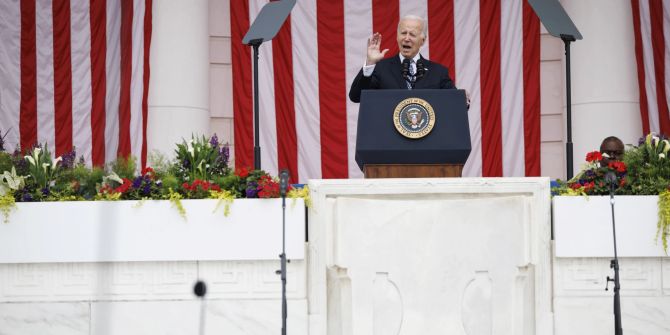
(242, 102)
(332, 89)
(28, 104)
(62, 76)
(145, 94)
(442, 41)
(490, 86)
(126, 73)
(658, 44)
(385, 15)
(644, 108)
(98, 22)
(531, 90)
(287, 139)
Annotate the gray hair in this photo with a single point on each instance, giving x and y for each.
(424, 27)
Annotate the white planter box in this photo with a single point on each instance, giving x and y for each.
(121, 231)
(583, 226)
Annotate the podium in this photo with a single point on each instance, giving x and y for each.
(412, 133)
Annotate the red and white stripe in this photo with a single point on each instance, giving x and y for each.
(307, 122)
(74, 73)
(651, 24)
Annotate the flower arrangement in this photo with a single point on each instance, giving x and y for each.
(644, 170)
(199, 171)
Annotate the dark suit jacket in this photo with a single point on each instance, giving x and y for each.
(388, 75)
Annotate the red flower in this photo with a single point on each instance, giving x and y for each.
(588, 186)
(617, 166)
(242, 172)
(148, 171)
(125, 186)
(594, 156)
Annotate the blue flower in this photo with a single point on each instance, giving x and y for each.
(252, 191)
(137, 182)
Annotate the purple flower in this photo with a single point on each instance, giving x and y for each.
(68, 159)
(225, 154)
(252, 191)
(147, 189)
(137, 182)
(26, 197)
(45, 191)
(590, 173)
(214, 141)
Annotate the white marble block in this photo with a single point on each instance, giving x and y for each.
(429, 256)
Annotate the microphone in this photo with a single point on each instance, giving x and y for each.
(420, 69)
(283, 182)
(611, 179)
(405, 68)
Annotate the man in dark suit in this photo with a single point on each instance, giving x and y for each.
(407, 70)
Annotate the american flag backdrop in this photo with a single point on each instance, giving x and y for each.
(307, 123)
(651, 24)
(75, 73)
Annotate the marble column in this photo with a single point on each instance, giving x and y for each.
(179, 86)
(605, 95)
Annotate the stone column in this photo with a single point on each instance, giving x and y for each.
(605, 95)
(179, 84)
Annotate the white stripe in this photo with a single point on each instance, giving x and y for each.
(10, 72)
(467, 54)
(45, 75)
(137, 81)
(420, 9)
(113, 72)
(306, 89)
(649, 69)
(268, 128)
(511, 81)
(81, 78)
(357, 29)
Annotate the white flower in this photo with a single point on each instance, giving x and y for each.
(115, 177)
(35, 157)
(30, 159)
(661, 156)
(55, 161)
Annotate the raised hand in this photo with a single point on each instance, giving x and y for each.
(374, 55)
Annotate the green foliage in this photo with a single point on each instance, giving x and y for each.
(79, 182)
(43, 170)
(124, 167)
(170, 181)
(663, 227)
(201, 159)
(6, 162)
(648, 167)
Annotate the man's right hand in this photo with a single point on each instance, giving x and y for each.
(374, 55)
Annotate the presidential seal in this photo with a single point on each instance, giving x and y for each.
(414, 118)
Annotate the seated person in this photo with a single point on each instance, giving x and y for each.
(612, 149)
